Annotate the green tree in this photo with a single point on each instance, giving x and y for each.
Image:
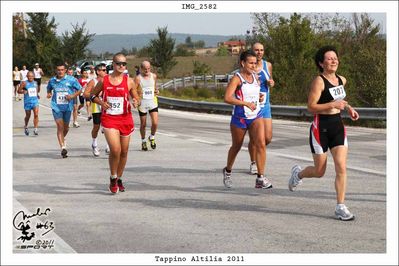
(182, 50)
(222, 51)
(199, 44)
(74, 43)
(143, 52)
(200, 68)
(366, 59)
(19, 42)
(290, 44)
(43, 45)
(161, 52)
(189, 43)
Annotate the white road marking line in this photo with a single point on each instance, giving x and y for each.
(365, 170)
(60, 246)
(167, 134)
(203, 141)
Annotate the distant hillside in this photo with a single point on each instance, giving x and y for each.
(115, 42)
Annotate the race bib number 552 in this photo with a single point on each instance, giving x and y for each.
(116, 104)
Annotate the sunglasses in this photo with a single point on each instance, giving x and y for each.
(120, 63)
(101, 70)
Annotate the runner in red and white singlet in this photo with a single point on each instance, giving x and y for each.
(116, 118)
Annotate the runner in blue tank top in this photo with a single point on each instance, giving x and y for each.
(62, 89)
(264, 70)
(243, 91)
(30, 90)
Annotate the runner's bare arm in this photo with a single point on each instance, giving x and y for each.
(95, 92)
(21, 88)
(88, 89)
(133, 91)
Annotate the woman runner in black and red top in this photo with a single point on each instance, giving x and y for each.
(325, 101)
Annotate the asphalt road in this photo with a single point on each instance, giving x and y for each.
(175, 201)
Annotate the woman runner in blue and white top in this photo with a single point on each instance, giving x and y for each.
(30, 90)
(243, 91)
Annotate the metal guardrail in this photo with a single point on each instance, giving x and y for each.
(204, 80)
(278, 110)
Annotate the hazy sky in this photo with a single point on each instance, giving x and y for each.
(194, 23)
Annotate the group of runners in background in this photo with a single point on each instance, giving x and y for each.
(109, 99)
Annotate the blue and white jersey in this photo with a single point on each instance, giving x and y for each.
(61, 88)
(31, 96)
(248, 92)
(264, 77)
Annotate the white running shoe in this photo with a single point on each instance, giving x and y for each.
(253, 170)
(107, 150)
(294, 180)
(343, 213)
(263, 182)
(76, 124)
(227, 179)
(96, 151)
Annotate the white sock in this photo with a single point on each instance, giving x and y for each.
(152, 137)
(340, 205)
(113, 176)
(94, 143)
(143, 140)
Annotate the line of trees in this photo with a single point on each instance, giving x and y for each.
(291, 43)
(35, 41)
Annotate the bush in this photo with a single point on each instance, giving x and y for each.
(204, 93)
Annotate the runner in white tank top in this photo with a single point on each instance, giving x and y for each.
(146, 85)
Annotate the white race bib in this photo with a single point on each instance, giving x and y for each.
(61, 97)
(255, 100)
(116, 104)
(148, 93)
(32, 92)
(338, 92)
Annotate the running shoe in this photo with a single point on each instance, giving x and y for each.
(121, 186)
(107, 150)
(35, 132)
(76, 124)
(253, 170)
(113, 185)
(26, 131)
(89, 118)
(64, 152)
(294, 180)
(96, 151)
(343, 213)
(152, 143)
(227, 178)
(144, 146)
(263, 182)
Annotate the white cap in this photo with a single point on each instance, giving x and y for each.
(36, 64)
